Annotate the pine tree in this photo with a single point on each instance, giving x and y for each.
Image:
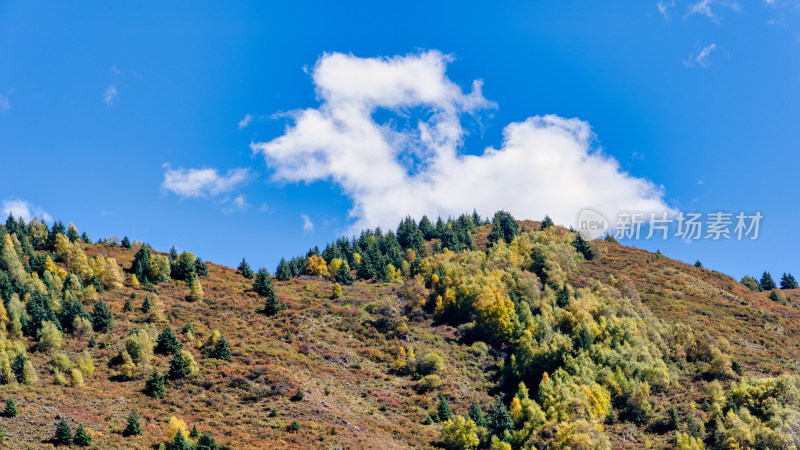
(476, 414)
(206, 442)
(673, 418)
(563, 297)
(128, 305)
(262, 285)
(194, 433)
(141, 264)
(126, 243)
(63, 434)
(221, 350)
(698, 264)
(788, 281)
(344, 276)
(146, 304)
(245, 270)
(583, 247)
(167, 343)
(179, 367)
(200, 268)
(443, 409)
(767, 283)
(18, 367)
(426, 227)
(283, 272)
(547, 222)
(154, 386)
(82, 437)
(179, 443)
(133, 428)
(504, 227)
(409, 235)
(102, 319)
(11, 408)
(499, 418)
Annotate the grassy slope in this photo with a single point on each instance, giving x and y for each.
(317, 344)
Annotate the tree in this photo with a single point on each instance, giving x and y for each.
(179, 443)
(499, 418)
(767, 283)
(426, 228)
(221, 350)
(443, 409)
(751, 283)
(460, 434)
(476, 414)
(196, 290)
(698, 264)
(262, 285)
(102, 319)
(206, 442)
(63, 433)
(673, 418)
(82, 437)
(128, 305)
(246, 271)
(167, 343)
(182, 365)
(183, 268)
(344, 276)
(141, 264)
(200, 268)
(194, 433)
(788, 281)
(282, 273)
(547, 222)
(146, 304)
(504, 227)
(154, 386)
(18, 367)
(563, 297)
(126, 243)
(583, 247)
(49, 336)
(11, 408)
(133, 428)
(409, 235)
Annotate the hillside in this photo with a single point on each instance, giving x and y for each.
(539, 340)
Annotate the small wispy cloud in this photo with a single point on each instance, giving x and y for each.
(664, 7)
(238, 204)
(21, 208)
(245, 121)
(194, 183)
(701, 58)
(5, 104)
(111, 96)
(308, 225)
(704, 8)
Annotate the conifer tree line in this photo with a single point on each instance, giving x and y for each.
(767, 283)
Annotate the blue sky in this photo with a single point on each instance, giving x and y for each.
(130, 119)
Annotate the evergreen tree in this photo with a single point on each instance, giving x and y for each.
(128, 305)
(82, 437)
(504, 227)
(183, 268)
(167, 343)
(245, 269)
(85, 238)
(476, 218)
(283, 272)
(221, 350)
(206, 442)
(262, 285)
(344, 276)
(70, 309)
(133, 428)
(443, 409)
(776, 297)
(547, 222)
(141, 264)
(63, 434)
(154, 386)
(58, 228)
(194, 434)
(178, 367)
(788, 281)
(39, 311)
(146, 304)
(173, 254)
(767, 283)
(409, 235)
(698, 264)
(476, 414)
(179, 443)
(563, 297)
(582, 247)
(102, 319)
(426, 228)
(673, 418)
(200, 268)
(11, 408)
(126, 243)
(18, 367)
(499, 418)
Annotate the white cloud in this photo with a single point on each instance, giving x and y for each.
(110, 96)
(308, 225)
(245, 121)
(704, 8)
(5, 104)
(701, 58)
(545, 165)
(202, 182)
(664, 7)
(21, 208)
(238, 204)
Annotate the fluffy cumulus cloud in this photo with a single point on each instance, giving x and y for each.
(194, 183)
(21, 208)
(545, 165)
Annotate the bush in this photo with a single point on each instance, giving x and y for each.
(430, 363)
(298, 396)
(750, 283)
(77, 378)
(49, 336)
(336, 291)
(85, 364)
(428, 383)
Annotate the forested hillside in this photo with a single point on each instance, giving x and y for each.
(458, 333)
